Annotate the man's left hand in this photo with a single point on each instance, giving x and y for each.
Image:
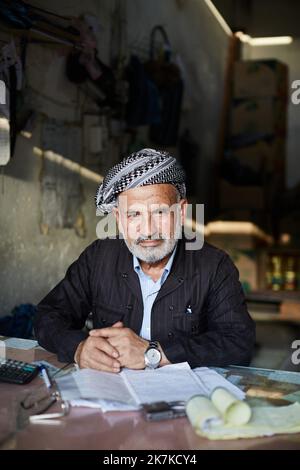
(130, 346)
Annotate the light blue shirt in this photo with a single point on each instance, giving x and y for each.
(150, 290)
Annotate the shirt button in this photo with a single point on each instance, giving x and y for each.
(170, 334)
(125, 275)
(171, 307)
(180, 279)
(129, 307)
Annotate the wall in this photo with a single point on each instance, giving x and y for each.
(289, 54)
(253, 16)
(202, 46)
(32, 263)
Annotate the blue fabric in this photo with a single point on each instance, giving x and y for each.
(20, 323)
(150, 290)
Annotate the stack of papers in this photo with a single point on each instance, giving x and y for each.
(129, 389)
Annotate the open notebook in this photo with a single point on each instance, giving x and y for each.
(129, 389)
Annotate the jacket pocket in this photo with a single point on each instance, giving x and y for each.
(185, 323)
(105, 315)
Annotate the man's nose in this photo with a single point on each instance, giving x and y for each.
(148, 225)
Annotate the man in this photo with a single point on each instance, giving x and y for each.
(153, 301)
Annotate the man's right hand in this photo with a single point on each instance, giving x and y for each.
(97, 353)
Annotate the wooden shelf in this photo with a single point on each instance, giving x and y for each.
(286, 306)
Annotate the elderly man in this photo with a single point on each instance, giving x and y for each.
(153, 301)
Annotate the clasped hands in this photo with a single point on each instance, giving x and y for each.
(110, 349)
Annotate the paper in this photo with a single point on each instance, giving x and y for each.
(104, 405)
(224, 417)
(265, 421)
(233, 411)
(202, 413)
(90, 384)
(165, 384)
(221, 408)
(130, 388)
(211, 380)
(20, 343)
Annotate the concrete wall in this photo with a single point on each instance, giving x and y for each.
(289, 54)
(202, 46)
(32, 263)
(254, 17)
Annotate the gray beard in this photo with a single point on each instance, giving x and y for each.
(152, 254)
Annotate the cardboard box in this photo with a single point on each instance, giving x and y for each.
(260, 78)
(268, 155)
(258, 117)
(246, 244)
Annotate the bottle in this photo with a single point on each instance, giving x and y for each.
(277, 278)
(269, 273)
(290, 275)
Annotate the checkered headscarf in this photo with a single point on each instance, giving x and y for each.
(141, 168)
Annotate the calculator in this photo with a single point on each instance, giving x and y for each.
(17, 372)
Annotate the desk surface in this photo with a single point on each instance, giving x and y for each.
(85, 428)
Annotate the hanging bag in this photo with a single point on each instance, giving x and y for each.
(167, 77)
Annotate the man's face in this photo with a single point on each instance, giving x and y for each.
(150, 219)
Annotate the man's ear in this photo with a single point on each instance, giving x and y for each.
(115, 211)
(183, 207)
(116, 214)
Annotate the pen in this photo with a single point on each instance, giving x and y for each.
(46, 377)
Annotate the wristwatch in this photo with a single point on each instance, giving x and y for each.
(152, 355)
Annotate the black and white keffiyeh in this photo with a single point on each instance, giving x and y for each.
(141, 168)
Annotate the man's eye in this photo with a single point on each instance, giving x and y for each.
(132, 215)
(161, 211)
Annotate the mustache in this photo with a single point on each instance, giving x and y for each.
(150, 237)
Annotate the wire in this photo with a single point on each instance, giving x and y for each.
(48, 12)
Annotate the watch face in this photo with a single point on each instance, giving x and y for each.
(153, 356)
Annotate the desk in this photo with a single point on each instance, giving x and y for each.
(85, 428)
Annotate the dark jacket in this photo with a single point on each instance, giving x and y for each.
(217, 332)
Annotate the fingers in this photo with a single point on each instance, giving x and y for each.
(116, 342)
(108, 332)
(103, 345)
(104, 361)
(99, 354)
(96, 332)
(93, 364)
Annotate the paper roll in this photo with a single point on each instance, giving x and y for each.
(234, 411)
(201, 413)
